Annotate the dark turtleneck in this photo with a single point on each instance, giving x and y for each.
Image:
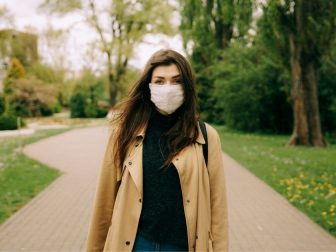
(162, 217)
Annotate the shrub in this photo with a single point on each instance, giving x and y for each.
(32, 97)
(8, 122)
(90, 110)
(77, 105)
(87, 99)
(2, 104)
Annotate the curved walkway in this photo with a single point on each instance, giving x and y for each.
(57, 219)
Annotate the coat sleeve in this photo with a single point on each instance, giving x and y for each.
(219, 213)
(106, 191)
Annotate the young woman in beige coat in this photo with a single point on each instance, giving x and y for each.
(156, 190)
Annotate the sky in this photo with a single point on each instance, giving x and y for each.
(26, 13)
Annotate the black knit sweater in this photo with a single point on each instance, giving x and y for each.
(162, 218)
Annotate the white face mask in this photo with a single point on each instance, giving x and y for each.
(168, 97)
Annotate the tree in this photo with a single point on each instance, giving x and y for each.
(88, 96)
(303, 31)
(6, 17)
(53, 47)
(15, 71)
(207, 28)
(249, 91)
(119, 27)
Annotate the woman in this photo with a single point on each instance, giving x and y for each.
(155, 191)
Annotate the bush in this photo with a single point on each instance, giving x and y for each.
(32, 97)
(57, 108)
(87, 100)
(77, 105)
(8, 122)
(90, 110)
(2, 104)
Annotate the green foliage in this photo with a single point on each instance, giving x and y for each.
(32, 97)
(77, 104)
(47, 73)
(207, 28)
(15, 71)
(281, 21)
(55, 77)
(119, 26)
(127, 81)
(61, 6)
(88, 96)
(8, 122)
(90, 110)
(2, 103)
(249, 91)
(327, 93)
(19, 45)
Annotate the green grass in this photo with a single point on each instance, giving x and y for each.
(20, 177)
(306, 176)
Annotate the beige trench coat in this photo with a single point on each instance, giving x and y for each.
(118, 199)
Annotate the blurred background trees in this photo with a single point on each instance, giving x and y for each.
(275, 65)
(120, 26)
(260, 66)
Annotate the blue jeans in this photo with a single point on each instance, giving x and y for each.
(143, 244)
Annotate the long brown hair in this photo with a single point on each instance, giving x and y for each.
(136, 110)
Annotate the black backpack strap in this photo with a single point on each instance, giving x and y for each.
(204, 146)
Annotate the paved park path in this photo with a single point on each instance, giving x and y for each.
(57, 219)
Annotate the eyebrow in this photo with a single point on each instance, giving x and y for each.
(161, 77)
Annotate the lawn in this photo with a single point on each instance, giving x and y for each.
(306, 176)
(20, 177)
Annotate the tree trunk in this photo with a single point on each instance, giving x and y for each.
(112, 90)
(315, 133)
(300, 130)
(307, 127)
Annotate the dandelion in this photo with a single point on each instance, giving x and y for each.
(324, 215)
(302, 175)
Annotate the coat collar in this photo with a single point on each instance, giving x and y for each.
(199, 139)
(137, 173)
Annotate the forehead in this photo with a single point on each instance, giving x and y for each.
(166, 71)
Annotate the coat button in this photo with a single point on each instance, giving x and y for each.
(188, 201)
(140, 200)
(196, 236)
(128, 242)
(130, 163)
